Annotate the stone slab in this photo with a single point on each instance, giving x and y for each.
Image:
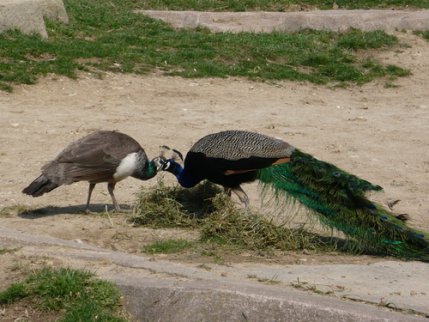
(28, 15)
(334, 20)
(159, 290)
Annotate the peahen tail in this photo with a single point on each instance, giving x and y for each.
(39, 186)
(338, 198)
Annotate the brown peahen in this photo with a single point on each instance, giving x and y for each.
(230, 158)
(102, 156)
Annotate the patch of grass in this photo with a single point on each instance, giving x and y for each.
(356, 39)
(8, 250)
(424, 34)
(222, 226)
(169, 246)
(13, 293)
(77, 293)
(228, 225)
(170, 207)
(12, 211)
(277, 5)
(109, 36)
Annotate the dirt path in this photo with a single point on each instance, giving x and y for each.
(381, 134)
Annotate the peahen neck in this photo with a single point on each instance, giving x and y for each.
(181, 174)
(149, 171)
(145, 169)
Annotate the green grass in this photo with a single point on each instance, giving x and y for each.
(223, 227)
(278, 5)
(76, 293)
(424, 34)
(108, 36)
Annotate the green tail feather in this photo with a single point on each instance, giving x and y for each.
(338, 198)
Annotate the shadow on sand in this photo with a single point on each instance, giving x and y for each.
(75, 209)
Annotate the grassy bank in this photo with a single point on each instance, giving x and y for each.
(108, 36)
(65, 295)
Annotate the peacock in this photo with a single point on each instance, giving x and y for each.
(101, 156)
(337, 198)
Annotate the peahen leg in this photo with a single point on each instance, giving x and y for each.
(110, 188)
(91, 187)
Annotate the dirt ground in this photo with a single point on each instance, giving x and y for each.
(376, 132)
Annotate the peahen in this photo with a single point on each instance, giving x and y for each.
(102, 156)
(230, 158)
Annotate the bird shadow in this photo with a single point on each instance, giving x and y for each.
(75, 209)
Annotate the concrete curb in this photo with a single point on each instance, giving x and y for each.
(28, 15)
(208, 301)
(171, 291)
(334, 20)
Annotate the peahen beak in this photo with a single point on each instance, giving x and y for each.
(160, 163)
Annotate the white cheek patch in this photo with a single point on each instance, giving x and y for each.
(167, 165)
(127, 167)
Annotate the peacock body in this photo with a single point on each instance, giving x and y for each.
(337, 198)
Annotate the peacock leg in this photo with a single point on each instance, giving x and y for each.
(241, 195)
(91, 187)
(110, 188)
(227, 191)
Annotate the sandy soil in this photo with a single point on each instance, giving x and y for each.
(378, 133)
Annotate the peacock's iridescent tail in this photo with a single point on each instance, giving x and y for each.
(338, 199)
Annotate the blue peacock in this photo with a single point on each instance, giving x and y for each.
(337, 198)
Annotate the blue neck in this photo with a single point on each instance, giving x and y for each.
(181, 175)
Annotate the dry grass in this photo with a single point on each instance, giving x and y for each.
(221, 224)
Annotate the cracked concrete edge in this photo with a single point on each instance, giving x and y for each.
(166, 291)
(209, 301)
(28, 15)
(334, 20)
(158, 299)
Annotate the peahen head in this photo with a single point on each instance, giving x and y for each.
(149, 169)
(158, 163)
